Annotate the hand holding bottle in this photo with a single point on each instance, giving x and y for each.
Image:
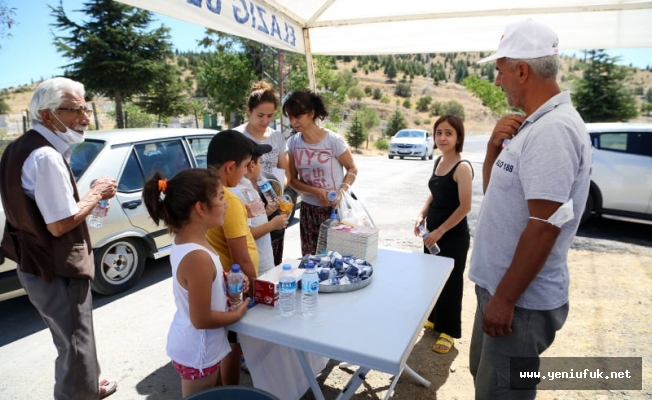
(279, 222)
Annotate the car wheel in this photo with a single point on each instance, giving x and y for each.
(432, 155)
(293, 196)
(118, 266)
(391, 157)
(401, 157)
(425, 156)
(588, 211)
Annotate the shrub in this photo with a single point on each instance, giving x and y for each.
(377, 94)
(381, 144)
(407, 103)
(385, 100)
(403, 90)
(367, 91)
(417, 121)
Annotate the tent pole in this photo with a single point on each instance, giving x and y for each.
(309, 61)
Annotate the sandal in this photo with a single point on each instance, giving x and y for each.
(107, 388)
(429, 325)
(444, 344)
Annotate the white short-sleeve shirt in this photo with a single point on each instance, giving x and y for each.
(46, 178)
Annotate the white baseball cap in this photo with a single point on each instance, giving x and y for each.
(524, 40)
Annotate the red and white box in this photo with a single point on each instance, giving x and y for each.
(266, 285)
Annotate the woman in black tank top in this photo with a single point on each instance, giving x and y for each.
(444, 214)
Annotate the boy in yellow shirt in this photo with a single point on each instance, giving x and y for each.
(230, 152)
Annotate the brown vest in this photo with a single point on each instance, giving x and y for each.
(26, 239)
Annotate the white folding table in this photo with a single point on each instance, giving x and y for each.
(374, 328)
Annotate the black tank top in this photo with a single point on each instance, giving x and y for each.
(445, 199)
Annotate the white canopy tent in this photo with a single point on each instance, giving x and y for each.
(358, 27)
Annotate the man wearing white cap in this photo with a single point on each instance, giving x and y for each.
(536, 181)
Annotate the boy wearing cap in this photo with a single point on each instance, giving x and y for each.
(230, 152)
(534, 164)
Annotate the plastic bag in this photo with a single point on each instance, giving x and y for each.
(352, 211)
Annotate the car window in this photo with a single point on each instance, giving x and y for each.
(175, 157)
(132, 178)
(167, 157)
(632, 142)
(199, 148)
(83, 155)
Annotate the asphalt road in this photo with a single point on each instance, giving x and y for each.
(131, 328)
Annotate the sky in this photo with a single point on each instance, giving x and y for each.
(29, 55)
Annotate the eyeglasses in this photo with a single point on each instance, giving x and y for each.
(77, 110)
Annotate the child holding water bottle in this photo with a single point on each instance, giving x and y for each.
(260, 225)
(189, 204)
(444, 216)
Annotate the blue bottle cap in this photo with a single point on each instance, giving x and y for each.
(235, 267)
(310, 265)
(287, 267)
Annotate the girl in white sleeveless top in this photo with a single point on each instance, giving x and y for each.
(189, 204)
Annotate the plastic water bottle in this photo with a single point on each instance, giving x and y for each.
(331, 196)
(266, 187)
(309, 290)
(251, 197)
(96, 219)
(287, 284)
(234, 285)
(322, 239)
(424, 232)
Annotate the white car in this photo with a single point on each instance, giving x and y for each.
(411, 143)
(621, 174)
(128, 235)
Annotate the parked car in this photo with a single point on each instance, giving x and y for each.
(128, 235)
(411, 143)
(621, 174)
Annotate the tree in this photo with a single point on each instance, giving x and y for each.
(423, 103)
(226, 79)
(453, 107)
(492, 96)
(648, 95)
(136, 117)
(355, 93)
(377, 94)
(390, 68)
(197, 108)
(4, 107)
(369, 117)
(112, 54)
(166, 96)
(6, 19)
(600, 95)
(403, 90)
(396, 123)
(356, 134)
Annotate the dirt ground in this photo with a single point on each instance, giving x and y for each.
(609, 316)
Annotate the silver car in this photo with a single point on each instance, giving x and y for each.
(128, 235)
(411, 143)
(621, 174)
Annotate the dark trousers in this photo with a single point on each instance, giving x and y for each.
(66, 307)
(533, 331)
(447, 314)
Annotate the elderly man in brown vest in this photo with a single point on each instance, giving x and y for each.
(46, 232)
